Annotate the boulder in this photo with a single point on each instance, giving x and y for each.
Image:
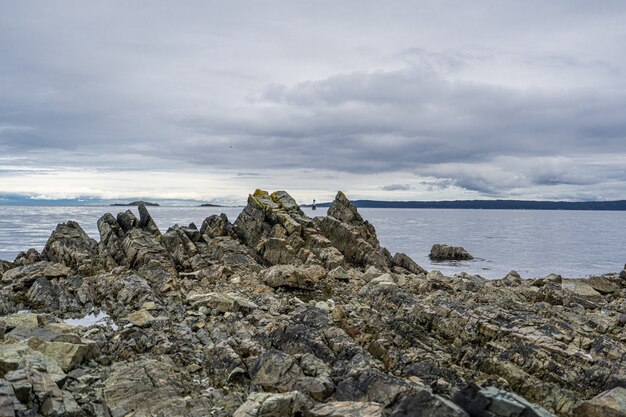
(26, 258)
(259, 404)
(493, 402)
(347, 409)
(404, 261)
(604, 285)
(25, 275)
(150, 387)
(69, 245)
(295, 277)
(66, 352)
(611, 403)
(214, 226)
(449, 253)
(221, 302)
(146, 222)
(140, 318)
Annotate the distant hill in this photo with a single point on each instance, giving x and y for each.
(492, 204)
(135, 203)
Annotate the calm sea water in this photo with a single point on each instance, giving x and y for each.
(535, 243)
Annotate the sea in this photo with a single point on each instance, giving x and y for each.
(535, 243)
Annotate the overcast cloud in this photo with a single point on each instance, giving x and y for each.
(402, 100)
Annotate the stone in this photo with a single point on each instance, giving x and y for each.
(339, 274)
(493, 402)
(71, 246)
(347, 409)
(214, 226)
(512, 279)
(441, 252)
(259, 404)
(66, 354)
(20, 320)
(404, 261)
(611, 403)
(146, 222)
(604, 285)
(140, 318)
(150, 387)
(221, 303)
(289, 276)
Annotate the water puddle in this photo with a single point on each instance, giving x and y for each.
(100, 319)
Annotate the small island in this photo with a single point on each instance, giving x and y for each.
(210, 205)
(135, 203)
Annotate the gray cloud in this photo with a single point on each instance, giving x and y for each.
(449, 102)
(397, 187)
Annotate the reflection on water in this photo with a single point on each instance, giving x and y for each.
(535, 243)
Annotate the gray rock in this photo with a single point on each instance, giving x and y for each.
(71, 246)
(449, 253)
(611, 403)
(289, 276)
(404, 261)
(492, 402)
(258, 404)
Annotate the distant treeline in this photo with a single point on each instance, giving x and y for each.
(493, 204)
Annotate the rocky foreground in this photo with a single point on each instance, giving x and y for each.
(280, 314)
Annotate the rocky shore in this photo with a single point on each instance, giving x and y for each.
(279, 314)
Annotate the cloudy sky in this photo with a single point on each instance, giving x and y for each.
(415, 100)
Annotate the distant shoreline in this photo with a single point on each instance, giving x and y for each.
(619, 205)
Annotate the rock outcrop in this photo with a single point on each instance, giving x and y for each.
(280, 314)
(449, 253)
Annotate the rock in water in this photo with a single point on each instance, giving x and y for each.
(449, 253)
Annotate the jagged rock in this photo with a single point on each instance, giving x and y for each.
(14, 356)
(26, 258)
(492, 402)
(339, 274)
(449, 253)
(611, 403)
(149, 387)
(276, 370)
(27, 274)
(146, 222)
(214, 226)
(127, 220)
(424, 404)
(604, 285)
(221, 303)
(580, 292)
(70, 245)
(140, 318)
(622, 274)
(342, 209)
(404, 261)
(289, 276)
(20, 321)
(352, 236)
(258, 404)
(347, 409)
(512, 279)
(283, 302)
(66, 352)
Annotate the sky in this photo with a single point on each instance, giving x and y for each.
(205, 101)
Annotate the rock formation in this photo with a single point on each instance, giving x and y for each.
(279, 314)
(449, 253)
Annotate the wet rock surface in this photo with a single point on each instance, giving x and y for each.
(279, 314)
